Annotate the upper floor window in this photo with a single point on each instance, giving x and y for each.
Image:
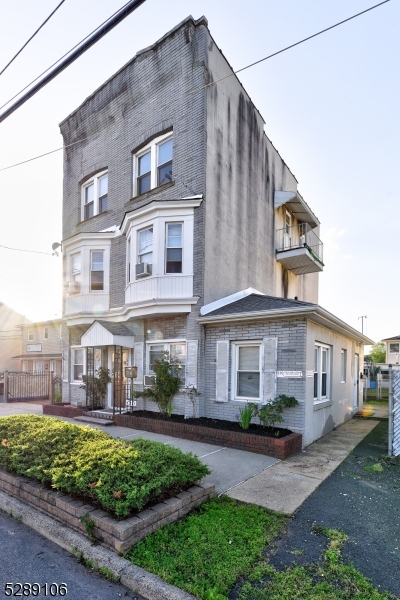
(95, 196)
(173, 248)
(45, 333)
(30, 335)
(96, 270)
(394, 348)
(153, 164)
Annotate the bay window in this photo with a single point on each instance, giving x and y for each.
(145, 252)
(173, 251)
(97, 270)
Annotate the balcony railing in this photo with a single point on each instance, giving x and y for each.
(299, 249)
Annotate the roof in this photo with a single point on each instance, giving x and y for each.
(395, 337)
(258, 307)
(31, 324)
(115, 328)
(258, 302)
(31, 355)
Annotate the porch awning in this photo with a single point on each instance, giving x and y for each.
(102, 333)
(297, 205)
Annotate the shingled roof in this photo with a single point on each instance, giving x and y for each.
(258, 303)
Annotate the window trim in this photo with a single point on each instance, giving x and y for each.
(234, 370)
(166, 247)
(46, 332)
(30, 335)
(320, 398)
(91, 270)
(138, 253)
(95, 180)
(152, 146)
(394, 351)
(73, 349)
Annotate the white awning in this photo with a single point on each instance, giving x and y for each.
(102, 333)
(297, 206)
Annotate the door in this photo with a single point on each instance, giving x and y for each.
(118, 388)
(287, 236)
(356, 380)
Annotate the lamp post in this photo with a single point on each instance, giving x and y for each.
(362, 322)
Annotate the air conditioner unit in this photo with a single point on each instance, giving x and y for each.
(74, 287)
(143, 270)
(148, 380)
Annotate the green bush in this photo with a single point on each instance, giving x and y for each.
(166, 384)
(120, 476)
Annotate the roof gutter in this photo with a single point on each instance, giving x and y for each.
(314, 312)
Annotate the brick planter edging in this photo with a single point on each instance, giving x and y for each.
(278, 448)
(119, 535)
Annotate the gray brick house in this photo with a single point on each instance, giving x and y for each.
(183, 230)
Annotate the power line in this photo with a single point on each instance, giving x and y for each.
(64, 55)
(208, 84)
(21, 250)
(32, 36)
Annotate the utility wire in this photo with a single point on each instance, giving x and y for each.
(21, 250)
(63, 56)
(208, 84)
(32, 36)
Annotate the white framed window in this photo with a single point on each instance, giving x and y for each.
(95, 196)
(128, 261)
(343, 365)
(30, 335)
(173, 248)
(176, 349)
(152, 165)
(96, 270)
(394, 348)
(246, 370)
(61, 331)
(45, 333)
(145, 243)
(78, 360)
(322, 372)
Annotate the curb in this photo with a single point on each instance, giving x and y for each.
(131, 576)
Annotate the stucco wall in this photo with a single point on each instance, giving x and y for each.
(321, 421)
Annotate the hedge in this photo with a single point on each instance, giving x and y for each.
(122, 477)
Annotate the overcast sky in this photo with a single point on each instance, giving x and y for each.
(331, 108)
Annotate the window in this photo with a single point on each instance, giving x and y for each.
(76, 267)
(78, 362)
(145, 251)
(95, 196)
(247, 362)
(176, 349)
(45, 333)
(96, 270)
(153, 165)
(394, 348)
(173, 248)
(30, 335)
(322, 369)
(343, 361)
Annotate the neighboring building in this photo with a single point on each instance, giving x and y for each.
(174, 201)
(392, 350)
(10, 336)
(41, 348)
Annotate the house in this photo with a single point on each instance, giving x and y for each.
(392, 349)
(10, 336)
(184, 231)
(41, 348)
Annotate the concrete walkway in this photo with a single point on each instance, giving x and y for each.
(279, 485)
(286, 485)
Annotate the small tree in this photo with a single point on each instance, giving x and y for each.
(96, 387)
(378, 352)
(166, 384)
(271, 412)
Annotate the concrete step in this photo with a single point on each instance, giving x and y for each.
(95, 421)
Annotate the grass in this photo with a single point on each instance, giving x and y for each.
(209, 550)
(329, 579)
(121, 477)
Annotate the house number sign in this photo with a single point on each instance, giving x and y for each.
(34, 347)
(289, 374)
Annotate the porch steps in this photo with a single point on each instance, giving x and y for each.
(95, 421)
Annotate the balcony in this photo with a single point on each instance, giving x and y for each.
(299, 249)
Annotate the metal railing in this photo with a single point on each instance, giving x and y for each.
(27, 386)
(300, 236)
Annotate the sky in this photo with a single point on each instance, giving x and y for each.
(330, 107)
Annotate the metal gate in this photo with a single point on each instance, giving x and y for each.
(121, 388)
(394, 412)
(27, 386)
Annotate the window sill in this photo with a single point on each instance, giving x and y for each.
(155, 190)
(322, 404)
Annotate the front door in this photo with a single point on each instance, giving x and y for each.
(118, 385)
(356, 380)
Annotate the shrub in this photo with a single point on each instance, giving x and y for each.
(165, 384)
(271, 412)
(122, 477)
(246, 413)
